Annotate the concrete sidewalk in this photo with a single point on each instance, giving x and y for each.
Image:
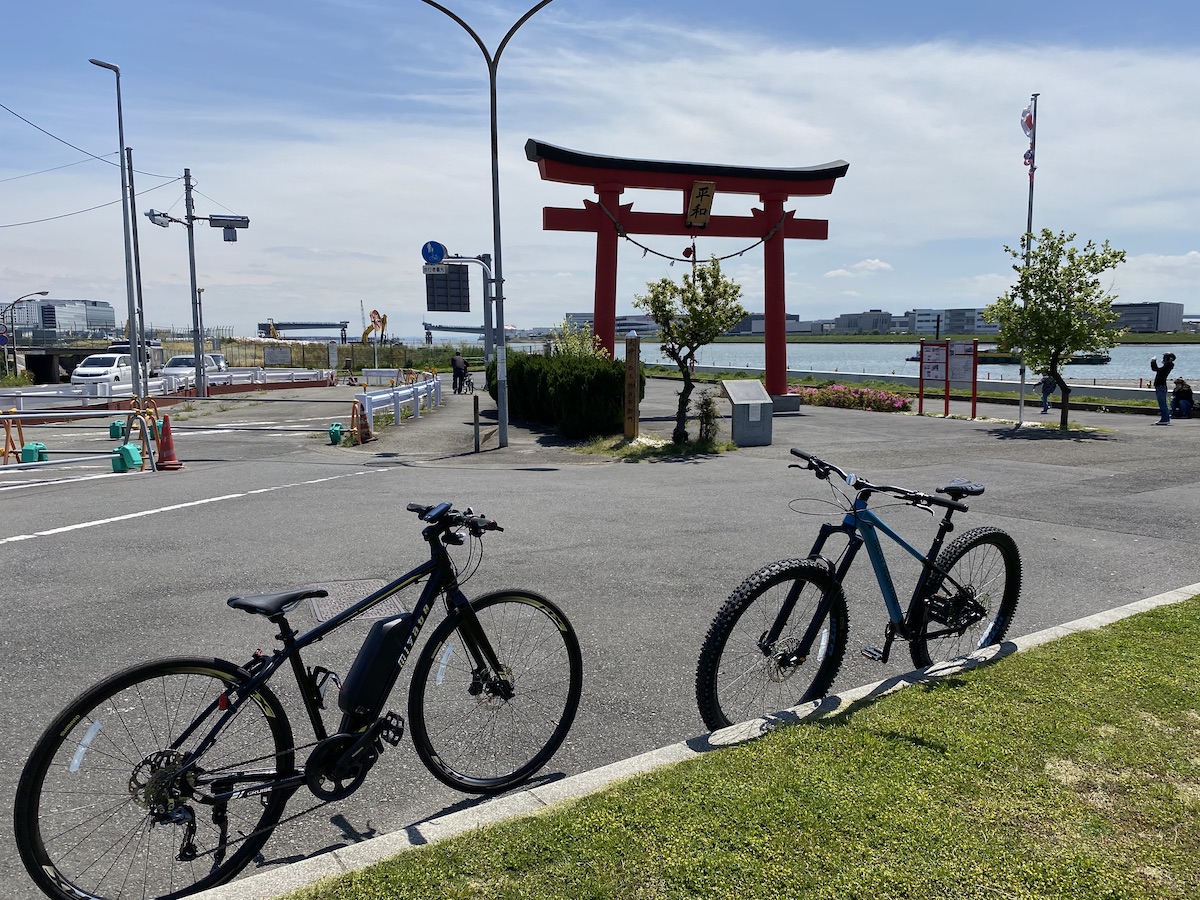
(447, 435)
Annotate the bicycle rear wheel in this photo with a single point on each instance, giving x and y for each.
(465, 730)
(741, 675)
(972, 605)
(105, 807)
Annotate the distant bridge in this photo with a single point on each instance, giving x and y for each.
(271, 328)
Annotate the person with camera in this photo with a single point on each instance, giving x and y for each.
(1161, 374)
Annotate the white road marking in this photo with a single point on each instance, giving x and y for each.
(177, 506)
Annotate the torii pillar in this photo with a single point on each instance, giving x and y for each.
(609, 176)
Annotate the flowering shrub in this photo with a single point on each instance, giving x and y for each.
(845, 397)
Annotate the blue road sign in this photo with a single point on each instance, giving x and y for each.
(433, 252)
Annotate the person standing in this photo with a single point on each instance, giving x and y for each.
(1047, 385)
(1161, 374)
(459, 364)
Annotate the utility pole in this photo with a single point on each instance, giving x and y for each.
(197, 323)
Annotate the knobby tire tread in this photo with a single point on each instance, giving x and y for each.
(823, 671)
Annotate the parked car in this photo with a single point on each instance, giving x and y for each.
(103, 368)
(186, 365)
(222, 363)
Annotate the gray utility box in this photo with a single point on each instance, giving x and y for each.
(752, 410)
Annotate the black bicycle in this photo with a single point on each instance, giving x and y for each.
(167, 778)
(780, 638)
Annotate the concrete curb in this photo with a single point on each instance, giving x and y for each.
(277, 882)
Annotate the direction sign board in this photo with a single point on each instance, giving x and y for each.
(449, 291)
(433, 252)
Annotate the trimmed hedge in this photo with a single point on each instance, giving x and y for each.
(580, 396)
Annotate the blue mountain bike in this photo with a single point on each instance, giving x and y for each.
(780, 638)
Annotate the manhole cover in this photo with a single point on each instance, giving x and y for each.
(344, 594)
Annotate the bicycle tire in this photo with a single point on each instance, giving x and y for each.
(82, 817)
(466, 735)
(737, 679)
(987, 563)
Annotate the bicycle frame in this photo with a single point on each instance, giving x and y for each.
(440, 572)
(861, 526)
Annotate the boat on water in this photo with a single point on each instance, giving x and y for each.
(1007, 358)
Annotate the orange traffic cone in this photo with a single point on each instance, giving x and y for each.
(166, 448)
(364, 425)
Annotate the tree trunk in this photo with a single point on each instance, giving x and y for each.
(679, 435)
(1065, 390)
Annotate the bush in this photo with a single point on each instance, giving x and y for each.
(844, 397)
(580, 396)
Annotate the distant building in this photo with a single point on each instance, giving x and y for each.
(65, 316)
(1149, 318)
(641, 325)
(755, 324)
(873, 321)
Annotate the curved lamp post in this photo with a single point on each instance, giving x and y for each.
(134, 358)
(10, 311)
(493, 62)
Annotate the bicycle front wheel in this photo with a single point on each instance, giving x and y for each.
(483, 734)
(743, 672)
(106, 806)
(971, 604)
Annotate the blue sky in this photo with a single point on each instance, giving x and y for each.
(351, 131)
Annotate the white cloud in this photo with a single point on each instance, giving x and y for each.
(340, 202)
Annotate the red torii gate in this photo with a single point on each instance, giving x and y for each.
(609, 176)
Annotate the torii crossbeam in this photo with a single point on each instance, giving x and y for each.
(609, 219)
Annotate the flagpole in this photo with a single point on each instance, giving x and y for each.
(1029, 123)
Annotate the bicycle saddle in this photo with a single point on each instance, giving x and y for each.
(274, 604)
(960, 487)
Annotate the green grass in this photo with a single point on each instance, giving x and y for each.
(1070, 771)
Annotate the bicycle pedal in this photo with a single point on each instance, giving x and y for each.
(392, 729)
(873, 653)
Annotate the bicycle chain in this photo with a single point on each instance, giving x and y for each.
(282, 821)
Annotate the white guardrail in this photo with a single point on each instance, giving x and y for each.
(404, 387)
(41, 397)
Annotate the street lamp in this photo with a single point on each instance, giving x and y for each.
(134, 358)
(493, 62)
(11, 311)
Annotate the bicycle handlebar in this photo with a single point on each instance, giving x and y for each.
(445, 517)
(822, 468)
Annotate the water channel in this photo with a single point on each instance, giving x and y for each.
(1130, 362)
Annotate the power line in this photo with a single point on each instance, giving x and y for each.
(73, 147)
(54, 169)
(80, 212)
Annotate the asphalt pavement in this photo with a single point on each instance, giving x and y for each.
(109, 569)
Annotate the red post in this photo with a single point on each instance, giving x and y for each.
(774, 308)
(604, 324)
(921, 379)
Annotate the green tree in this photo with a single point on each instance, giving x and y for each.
(688, 316)
(572, 339)
(1058, 307)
